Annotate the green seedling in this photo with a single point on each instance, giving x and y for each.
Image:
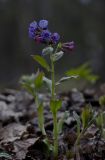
(101, 116)
(83, 123)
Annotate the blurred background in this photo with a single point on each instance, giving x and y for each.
(82, 21)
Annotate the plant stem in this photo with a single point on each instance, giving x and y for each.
(55, 132)
(79, 137)
(40, 117)
(102, 121)
(55, 129)
(53, 79)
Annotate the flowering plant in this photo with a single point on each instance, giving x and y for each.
(40, 33)
(55, 50)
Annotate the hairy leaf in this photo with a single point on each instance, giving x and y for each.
(63, 79)
(47, 50)
(55, 105)
(57, 56)
(42, 62)
(48, 83)
(39, 80)
(84, 72)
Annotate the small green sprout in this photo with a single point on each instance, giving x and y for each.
(101, 115)
(84, 121)
(33, 84)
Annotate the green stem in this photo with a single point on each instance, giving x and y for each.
(40, 116)
(53, 79)
(79, 137)
(102, 120)
(55, 132)
(55, 129)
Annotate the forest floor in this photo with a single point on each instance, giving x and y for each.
(21, 139)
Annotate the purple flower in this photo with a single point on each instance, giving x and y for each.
(38, 39)
(46, 35)
(68, 46)
(43, 24)
(32, 29)
(55, 38)
(31, 34)
(34, 25)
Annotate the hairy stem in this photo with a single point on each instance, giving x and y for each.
(55, 132)
(40, 117)
(55, 129)
(53, 79)
(102, 120)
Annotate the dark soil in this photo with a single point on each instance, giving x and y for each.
(21, 139)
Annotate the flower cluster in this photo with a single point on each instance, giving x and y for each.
(40, 33)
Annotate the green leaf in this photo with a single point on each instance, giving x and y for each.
(84, 72)
(27, 82)
(57, 56)
(39, 80)
(55, 105)
(42, 62)
(60, 125)
(63, 79)
(48, 83)
(29, 88)
(99, 120)
(86, 116)
(47, 50)
(102, 100)
(5, 155)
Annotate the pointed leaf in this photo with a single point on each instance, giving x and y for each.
(57, 56)
(63, 79)
(102, 100)
(84, 71)
(55, 105)
(86, 116)
(60, 125)
(98, 120)
(27, 82)
(47, 50)
(39, 80)
(42, 62)
(48, 82)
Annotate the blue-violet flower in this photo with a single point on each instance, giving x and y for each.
(46, 35)
(55, 38)
(43, 24)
